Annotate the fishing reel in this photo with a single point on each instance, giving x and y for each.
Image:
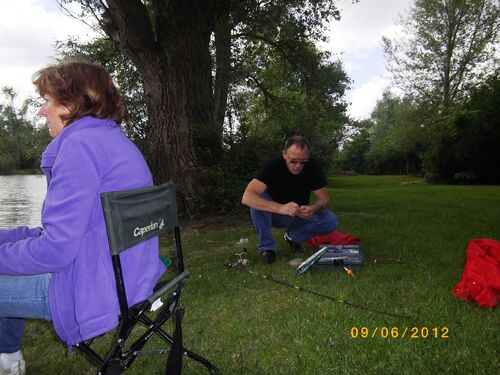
(243, 262)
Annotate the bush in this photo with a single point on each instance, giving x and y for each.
(466, 141)
(240, 163)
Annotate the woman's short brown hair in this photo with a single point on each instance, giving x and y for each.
(85, 89)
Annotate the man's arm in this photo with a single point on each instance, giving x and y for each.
(252, 197)
(321, 203)
(322, 200)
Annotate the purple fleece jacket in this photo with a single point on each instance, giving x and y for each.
(88, 157)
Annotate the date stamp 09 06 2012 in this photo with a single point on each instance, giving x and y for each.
(400, 332)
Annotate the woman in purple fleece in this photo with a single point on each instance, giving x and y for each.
(62, 271)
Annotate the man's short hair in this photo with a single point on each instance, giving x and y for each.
(298, 141)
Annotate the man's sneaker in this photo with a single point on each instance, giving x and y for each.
(296, 247)
(268, 256)
(17, 368)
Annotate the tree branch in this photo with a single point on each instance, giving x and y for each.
(69, 13)
(127, 22)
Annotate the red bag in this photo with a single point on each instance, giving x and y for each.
(481, 275)
(333, 238)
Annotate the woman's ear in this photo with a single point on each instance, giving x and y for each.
(64, 110)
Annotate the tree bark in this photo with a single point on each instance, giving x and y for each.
(223, 63)
(169, 44)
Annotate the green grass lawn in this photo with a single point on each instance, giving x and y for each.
(247, 325)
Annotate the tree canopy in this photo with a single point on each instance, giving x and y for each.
(444, 62)
(21, 141)
(448, 47)
(462, 146)
(218, 72)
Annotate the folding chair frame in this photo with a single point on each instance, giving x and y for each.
(121, 355)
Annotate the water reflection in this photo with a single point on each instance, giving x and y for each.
(21, 200)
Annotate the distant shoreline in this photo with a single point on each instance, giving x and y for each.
(22, 172)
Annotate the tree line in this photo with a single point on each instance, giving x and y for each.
(213, 87)
(21, 140)
(446, 126)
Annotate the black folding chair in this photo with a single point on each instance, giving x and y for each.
(151, 211)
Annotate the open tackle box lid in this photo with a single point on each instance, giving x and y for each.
(330, 257)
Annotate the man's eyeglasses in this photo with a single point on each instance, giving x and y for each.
(297, 161)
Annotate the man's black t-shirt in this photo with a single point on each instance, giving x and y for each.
(284, 186)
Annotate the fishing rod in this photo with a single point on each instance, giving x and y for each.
(281, 282)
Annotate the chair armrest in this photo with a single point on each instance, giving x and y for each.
(171, 284)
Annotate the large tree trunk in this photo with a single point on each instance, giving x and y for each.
(169, 44)
(188, 28)
(223, 66)
(172, 153)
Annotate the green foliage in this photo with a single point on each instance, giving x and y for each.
(444, 62)
(282, 84)
(213, 67)
(353, 155)
(225, 183)
(448, 46)
(21, 142)
(303, 96)
(466, 141)
(460, 145)
(278, 84)
(396, 137)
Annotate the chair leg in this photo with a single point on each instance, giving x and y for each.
(112, 368)
(189, 353)
(174, 360)
(92, 356)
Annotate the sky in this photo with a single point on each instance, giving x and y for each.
(28, 32)
(30, 28)
(357, 41)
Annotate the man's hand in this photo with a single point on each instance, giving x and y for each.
(290, 209)
(306, 212)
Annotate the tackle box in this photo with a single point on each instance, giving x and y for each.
(349, 256)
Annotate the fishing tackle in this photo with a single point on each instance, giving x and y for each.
(349, 272)
(384, 259)
(241, 261)
(281, 282)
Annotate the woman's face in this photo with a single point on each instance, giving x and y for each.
(53, 112)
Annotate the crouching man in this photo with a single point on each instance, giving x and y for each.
(279, 197)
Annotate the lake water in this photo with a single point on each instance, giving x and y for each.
(21, 199)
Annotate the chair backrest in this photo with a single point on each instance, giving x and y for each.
(137, 215)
